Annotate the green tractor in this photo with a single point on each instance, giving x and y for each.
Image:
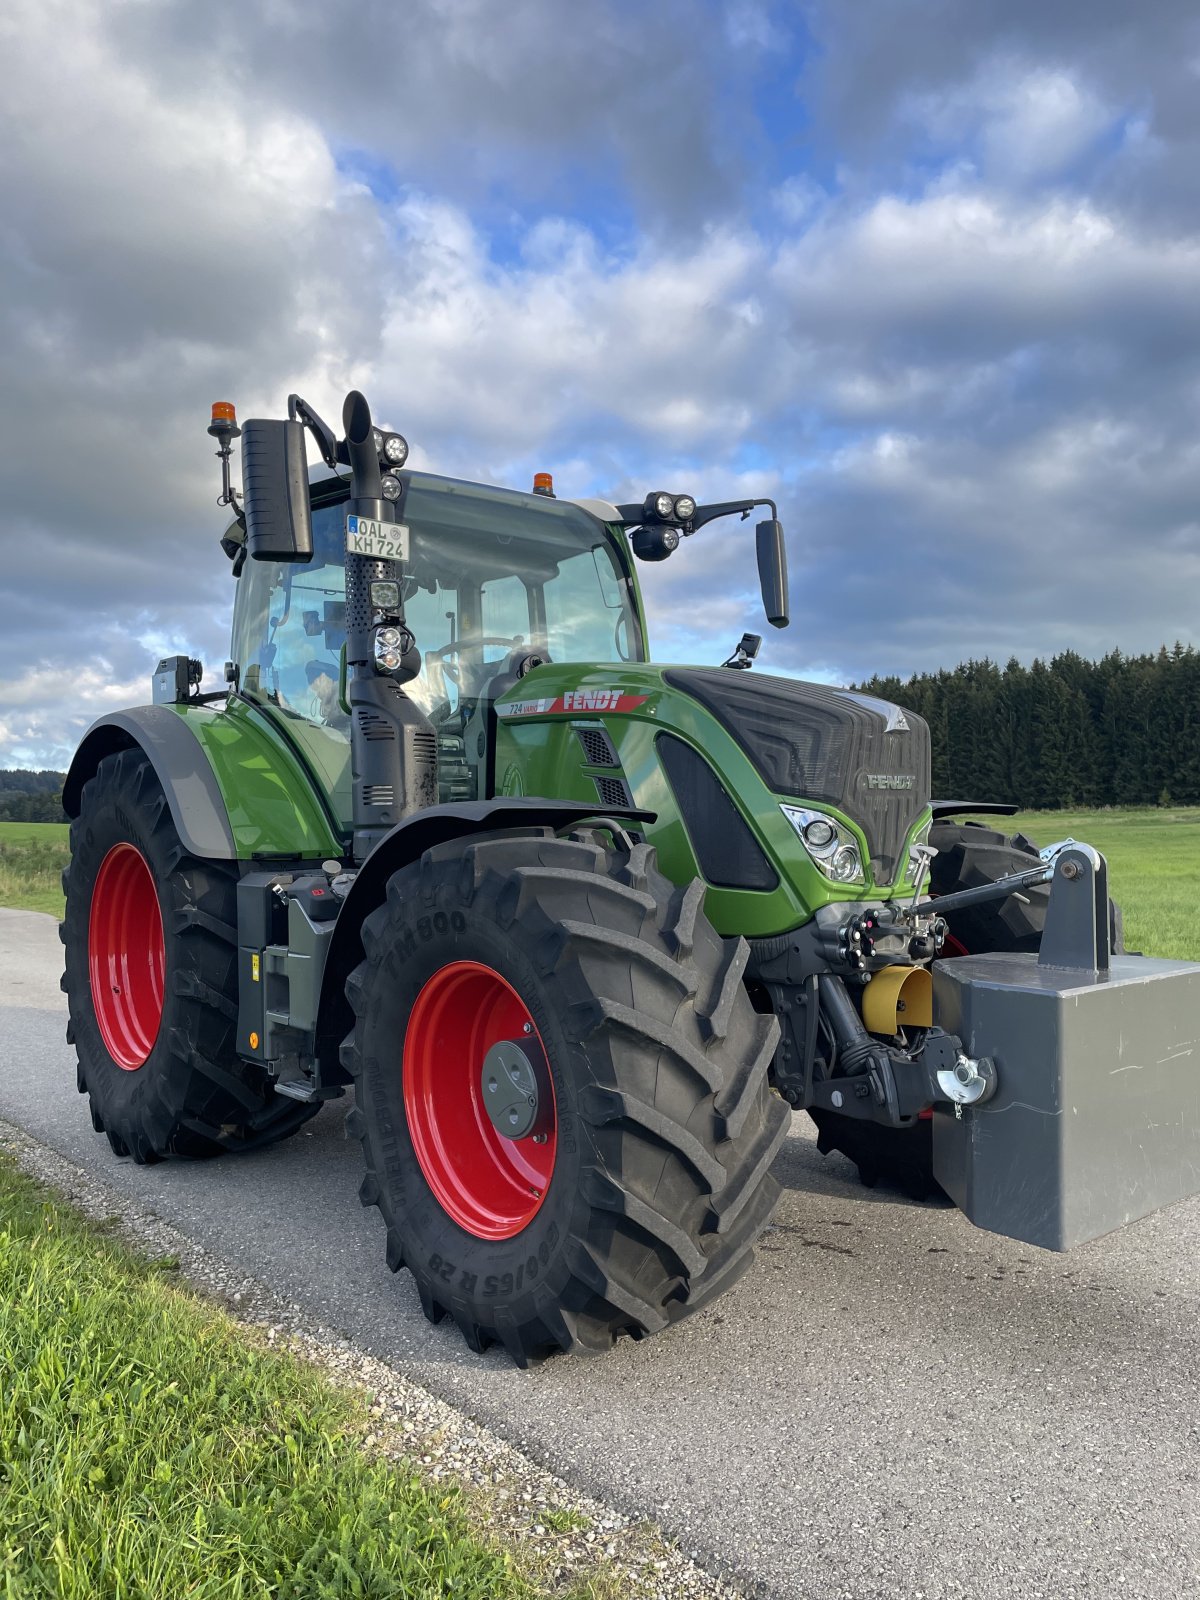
(579, 930)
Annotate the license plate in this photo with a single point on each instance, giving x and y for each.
(382, 541)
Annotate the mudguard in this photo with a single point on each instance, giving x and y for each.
(407, 842)
(189, 783)
(971, 808)
(238, 788)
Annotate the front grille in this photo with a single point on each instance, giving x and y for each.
(825, 745)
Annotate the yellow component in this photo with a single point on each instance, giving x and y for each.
(254, 1041)
(254, 967)
(898, 997)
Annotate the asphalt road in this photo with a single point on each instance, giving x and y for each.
(889, 1404)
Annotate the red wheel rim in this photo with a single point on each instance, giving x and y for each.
(491, 1186)
(126, 956)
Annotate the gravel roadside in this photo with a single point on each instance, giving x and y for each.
(559, 1537)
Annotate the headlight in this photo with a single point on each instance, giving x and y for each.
(390, 647)
(390, 487)
(685, 507)
(829, 844)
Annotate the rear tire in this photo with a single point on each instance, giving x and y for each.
(968, 855)
(658, 1125)
(151, 981)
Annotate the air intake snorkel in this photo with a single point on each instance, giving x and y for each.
(393, 747)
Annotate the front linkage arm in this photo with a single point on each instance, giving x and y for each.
(871, 1080)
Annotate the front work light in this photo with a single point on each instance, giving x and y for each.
(685, 507)
(395, 449)
(390, 486)
(660, 506)
(655, 543)
(385, 595)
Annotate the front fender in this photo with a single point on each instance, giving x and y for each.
(407, 842)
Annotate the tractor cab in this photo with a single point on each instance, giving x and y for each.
(497, 583)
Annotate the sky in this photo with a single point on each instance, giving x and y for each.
(926, 272)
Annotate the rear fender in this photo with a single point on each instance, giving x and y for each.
(181, 765)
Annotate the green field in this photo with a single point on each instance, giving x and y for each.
(1153, 858)
(32, 856)
(1153, 867)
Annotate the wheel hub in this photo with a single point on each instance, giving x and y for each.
(509, 1090)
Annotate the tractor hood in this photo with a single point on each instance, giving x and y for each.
(867, 757)
(715, 753)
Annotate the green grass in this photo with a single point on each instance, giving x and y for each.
(1153, 867)
(32, 856)
(149, 1448)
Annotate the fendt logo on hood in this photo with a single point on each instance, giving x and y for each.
(889, 780)
(574, 700)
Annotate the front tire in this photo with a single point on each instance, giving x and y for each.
(637, 1194)
(150, 935)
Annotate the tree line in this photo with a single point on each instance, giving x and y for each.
(31, 796)
(1124, 731)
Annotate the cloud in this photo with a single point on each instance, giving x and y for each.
(1021, 123)
(942, 309)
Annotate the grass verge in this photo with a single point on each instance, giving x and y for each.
(1153, 855)
(32, 857)
(149, 1447)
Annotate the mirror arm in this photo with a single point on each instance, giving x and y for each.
(300, 411)
(635, 516)
(728, 508)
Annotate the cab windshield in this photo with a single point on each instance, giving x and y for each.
(492, 573)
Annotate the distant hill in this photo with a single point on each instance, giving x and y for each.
(31, 796)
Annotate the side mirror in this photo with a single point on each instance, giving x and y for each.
(275, 491)
(772, 571)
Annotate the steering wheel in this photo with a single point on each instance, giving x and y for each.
(462, 647)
